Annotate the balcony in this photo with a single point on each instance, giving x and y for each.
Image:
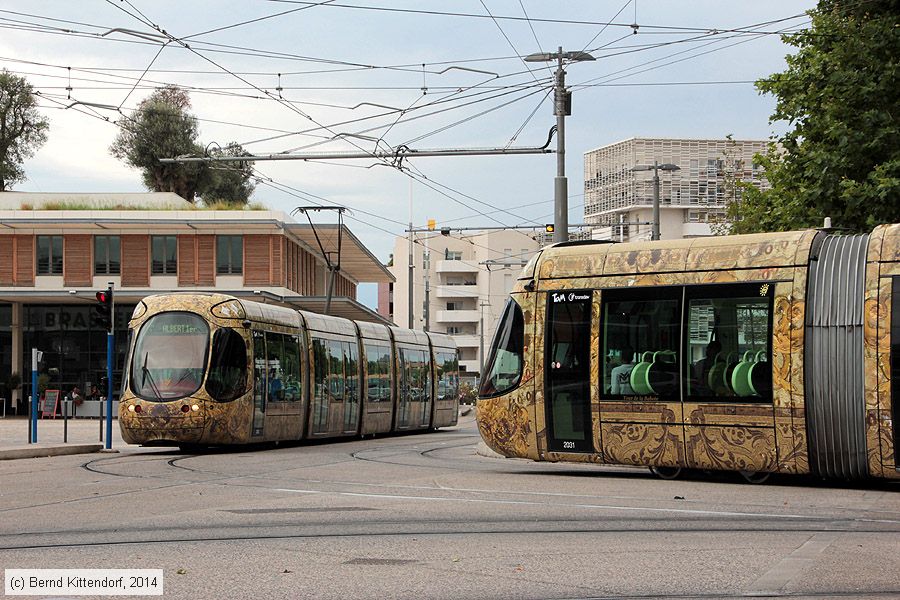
(468, 340)
(457, 266)
(456, 291)
(457, 316)
(472, 366)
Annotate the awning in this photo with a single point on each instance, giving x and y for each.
(356, 260)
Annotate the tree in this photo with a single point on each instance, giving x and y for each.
(162, 127)
(22, 128)
(841, 94)
(229, 182)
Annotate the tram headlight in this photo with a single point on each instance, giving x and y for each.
(131, 408)
(195, 407)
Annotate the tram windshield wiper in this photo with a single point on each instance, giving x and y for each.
(145, 372)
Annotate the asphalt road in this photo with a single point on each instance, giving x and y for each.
(424, 516)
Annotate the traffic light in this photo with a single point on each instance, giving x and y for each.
(549, 228)
(104, 308)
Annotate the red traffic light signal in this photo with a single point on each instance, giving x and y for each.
(104, 309)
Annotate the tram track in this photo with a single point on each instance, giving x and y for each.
(393, 528)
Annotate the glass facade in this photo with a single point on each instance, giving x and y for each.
(74, 345)
(5, 354)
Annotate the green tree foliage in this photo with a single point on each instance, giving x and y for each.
(229, 182)
(162, 127)
(22, 128)
(841, 95)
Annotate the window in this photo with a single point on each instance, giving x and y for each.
(228, 368)
(447, 376)
(454, 306)
(640, 336)
(728, 355)
(169, 356)
(107, 253)
(503, 369)
(164, 249)
(283, 367)
(320, 383)
(49, 255)
(229, 255)
(452, 255)
(454, 330)
(378, 373)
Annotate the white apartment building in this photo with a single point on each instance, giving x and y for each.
(460, 285)
(619, 200)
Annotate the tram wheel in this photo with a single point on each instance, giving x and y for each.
(666, 472)
(755, 476)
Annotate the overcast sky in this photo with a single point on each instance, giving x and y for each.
(445, 74)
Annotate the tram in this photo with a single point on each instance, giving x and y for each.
(211, 369)
(764, 353)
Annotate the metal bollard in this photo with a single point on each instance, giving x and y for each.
(66, 407)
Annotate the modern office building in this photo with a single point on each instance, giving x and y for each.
(460, 285)
(619, 199)
(53, 261)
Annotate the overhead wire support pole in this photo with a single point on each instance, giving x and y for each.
(333, 268)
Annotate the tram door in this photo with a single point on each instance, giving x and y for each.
(568, 370)
(351, 388)
(404, 391)
(260, 385)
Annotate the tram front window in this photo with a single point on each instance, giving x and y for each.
(503, 369)
(169, 356)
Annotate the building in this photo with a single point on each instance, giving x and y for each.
(619, 201)
(53, 261)
(460, 285)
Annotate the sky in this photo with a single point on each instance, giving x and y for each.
(368, 75)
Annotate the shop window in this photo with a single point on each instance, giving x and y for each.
(107, 255)
(49, 255)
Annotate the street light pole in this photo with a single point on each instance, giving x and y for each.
(656, 168)
(560, 183)
(562, 106)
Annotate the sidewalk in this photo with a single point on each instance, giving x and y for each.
(83, 437)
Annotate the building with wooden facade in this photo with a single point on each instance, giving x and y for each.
(53, 261)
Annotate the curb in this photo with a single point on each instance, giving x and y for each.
(481, 449)
(44, 451)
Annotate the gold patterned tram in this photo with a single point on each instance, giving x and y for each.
(210, 369)
(759, 353)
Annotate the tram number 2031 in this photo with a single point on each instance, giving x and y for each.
(569, 445)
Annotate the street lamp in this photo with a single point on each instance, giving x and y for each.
(656, 168)
(562, 106)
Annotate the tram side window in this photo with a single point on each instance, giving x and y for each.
(503, 369)
(320, 384)
(378, 373)
(228, 368)
(640, 336)
(283, 364)
(335, 371)
(352, 381)
(727, 343)
(447, 376)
